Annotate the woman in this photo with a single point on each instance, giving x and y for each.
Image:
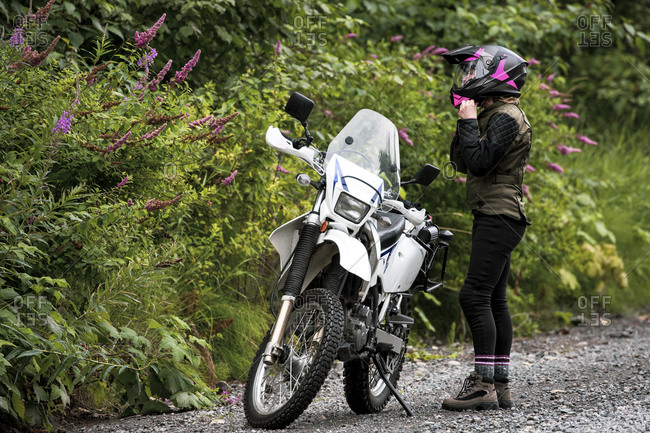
(492, 148)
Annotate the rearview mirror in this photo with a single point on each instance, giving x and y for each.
(299, 106)
(424, 176)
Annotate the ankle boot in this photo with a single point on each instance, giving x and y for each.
(477, 393)
(503, 392)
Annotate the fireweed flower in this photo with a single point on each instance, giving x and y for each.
(586, 140)
(182, 74)
(158, 79)
(550, 78)
(396, 38)
(277, 47)
(565, 150)
(199, 122)
(554, 93)
(439, 51)
(17, 39)
(143, 39)
(543, 86)
(404, 136)
(121, 184)
(559, 107)
(351, 35)
(533, 61)
(282, 169)
(229, 179)
(119, 143)
(428, 49)
(571, 114)
(148, 58)
(553, 125)
(64, 123)
(154, 132)
(526, 190)
(530, 169)
(417, 56)
(555, 167)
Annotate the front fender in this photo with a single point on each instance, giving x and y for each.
(353, 255)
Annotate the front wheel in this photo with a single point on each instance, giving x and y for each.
(365, 391)
(277, 394)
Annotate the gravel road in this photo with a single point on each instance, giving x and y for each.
(591, 379)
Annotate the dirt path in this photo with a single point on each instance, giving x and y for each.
(591, 379)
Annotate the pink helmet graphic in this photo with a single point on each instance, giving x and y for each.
(485, 71)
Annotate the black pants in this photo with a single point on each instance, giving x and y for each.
(483, 296)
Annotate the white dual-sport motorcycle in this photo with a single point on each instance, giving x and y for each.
(349, 269)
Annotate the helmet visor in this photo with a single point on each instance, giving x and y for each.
(468, 71)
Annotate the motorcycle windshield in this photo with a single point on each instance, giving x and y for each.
(370, 141)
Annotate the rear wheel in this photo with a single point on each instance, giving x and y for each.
(365, 391)
(277, 394)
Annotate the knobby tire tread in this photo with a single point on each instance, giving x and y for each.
(316, 376)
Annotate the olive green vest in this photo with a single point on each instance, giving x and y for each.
(499, 192)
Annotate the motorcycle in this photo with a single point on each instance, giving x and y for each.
(349, 268)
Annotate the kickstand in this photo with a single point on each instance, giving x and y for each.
(381, 368)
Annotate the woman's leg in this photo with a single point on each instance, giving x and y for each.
(493, 239)
(503, 325)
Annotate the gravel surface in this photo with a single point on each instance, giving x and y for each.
(584, 379)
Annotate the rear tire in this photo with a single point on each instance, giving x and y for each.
(277, 394)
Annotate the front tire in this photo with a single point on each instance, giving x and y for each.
(365, 391)
(277, 394)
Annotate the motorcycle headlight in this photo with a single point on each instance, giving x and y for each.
(350, 208)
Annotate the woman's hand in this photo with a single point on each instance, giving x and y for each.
(467, 109)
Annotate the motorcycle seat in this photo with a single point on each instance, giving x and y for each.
(390, 234)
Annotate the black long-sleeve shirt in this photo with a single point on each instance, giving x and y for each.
(481, 153)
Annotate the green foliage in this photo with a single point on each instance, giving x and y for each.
(138, 267)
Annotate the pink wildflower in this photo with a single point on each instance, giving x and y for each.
(122, 183)
(129, 202)
(526, 190)
(559, 107)
(351, 35)
(550, 78)
(533, 61)
(553, 125)
(586, 140)
(328, 113)
(277, 47)
(182, 74)
(555, 167)
(228, 180)
(396, 38)
(543, 86)
(119, 143)
(439, 51)
(154, 132)
(282, 169)
(404, 136)
(154, 83)
(530, 169)
(571, 114)
(199, 122)
(565, 150)
(460, 179)
(554, 93)
(143, 39)
(374, 56)
(428, 49)
(64, 124)
(417, 56)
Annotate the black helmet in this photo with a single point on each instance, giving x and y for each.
(485, 71)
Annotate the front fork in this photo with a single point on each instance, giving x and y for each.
(295, 279)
